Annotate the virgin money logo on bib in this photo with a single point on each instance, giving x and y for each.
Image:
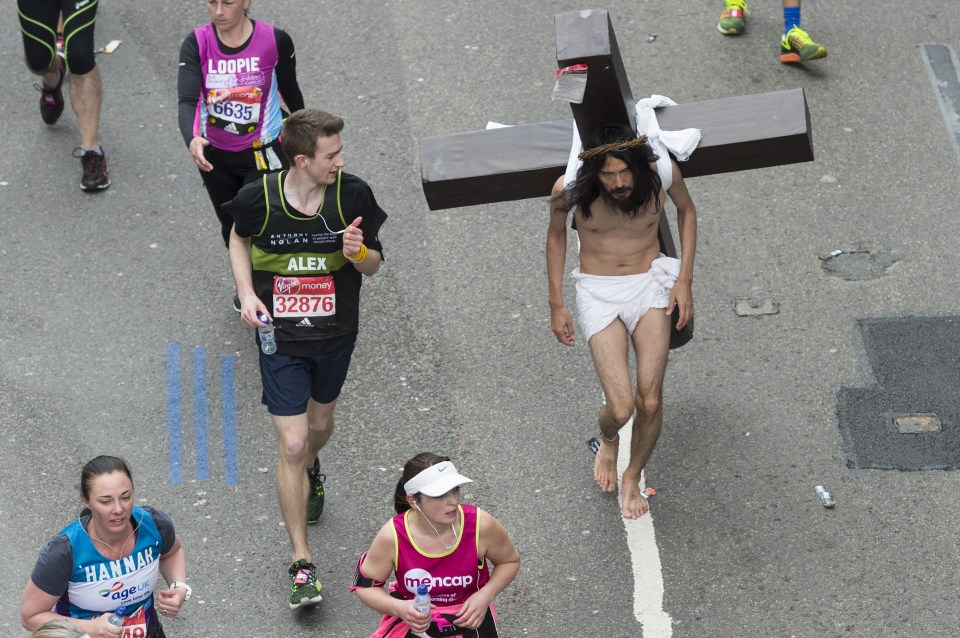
(287, 286)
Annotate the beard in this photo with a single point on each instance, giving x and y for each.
(629, 204)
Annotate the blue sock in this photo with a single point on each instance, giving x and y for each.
(791, 18)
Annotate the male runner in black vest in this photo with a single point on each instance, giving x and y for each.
(301, 243)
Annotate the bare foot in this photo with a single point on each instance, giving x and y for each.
(605, 465)
(633, 504)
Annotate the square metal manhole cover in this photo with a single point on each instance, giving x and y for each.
(755, 307)
(908, 420)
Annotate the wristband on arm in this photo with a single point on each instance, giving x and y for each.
(185, 587)
(361, 580)
(358, 256)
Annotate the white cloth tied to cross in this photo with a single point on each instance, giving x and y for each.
(680, 143)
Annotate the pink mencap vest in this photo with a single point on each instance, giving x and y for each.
(453, 575)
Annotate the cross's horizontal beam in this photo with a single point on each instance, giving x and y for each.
(520, 162)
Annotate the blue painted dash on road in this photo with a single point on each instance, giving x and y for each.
(200, 411)
(174, 428)
(229, 420)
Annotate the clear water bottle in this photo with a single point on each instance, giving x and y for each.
(268, 340)
(116, 618)
(421, 602)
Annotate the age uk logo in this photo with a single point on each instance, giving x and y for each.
(117, 586)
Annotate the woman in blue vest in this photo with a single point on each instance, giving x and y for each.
(107, 558)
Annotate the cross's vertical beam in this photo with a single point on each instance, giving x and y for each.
(586, 37)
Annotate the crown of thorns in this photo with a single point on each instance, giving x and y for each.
(622, 145)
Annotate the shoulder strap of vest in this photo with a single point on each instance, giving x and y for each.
(476, 523)
(339, 207)
(399, 519)
(266, 200)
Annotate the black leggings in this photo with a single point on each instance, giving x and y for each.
(231, 171)
(38, 23)
(155, 630)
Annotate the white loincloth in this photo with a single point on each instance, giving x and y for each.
(601, 299)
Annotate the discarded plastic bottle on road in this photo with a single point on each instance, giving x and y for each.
(116, 618)
(268, 340)
(826, 498)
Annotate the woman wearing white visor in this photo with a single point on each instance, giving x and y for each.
(436, 540)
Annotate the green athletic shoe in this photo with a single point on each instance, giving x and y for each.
(315, 495)
(797, 46)
(734, 17)
(304, 588)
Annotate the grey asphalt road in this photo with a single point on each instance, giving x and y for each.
(455, 353)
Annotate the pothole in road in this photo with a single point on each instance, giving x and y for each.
(859, 264)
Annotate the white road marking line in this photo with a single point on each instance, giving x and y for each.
(944, 73)
(642, 543)
(644, 555)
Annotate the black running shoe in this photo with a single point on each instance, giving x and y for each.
(236, 303)
(95, 175)
(51, 100)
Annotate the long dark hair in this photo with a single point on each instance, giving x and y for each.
(587, 188)
(98, 467)
(413, 467)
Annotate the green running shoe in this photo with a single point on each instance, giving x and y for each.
(315, 494)
(304, 588)
(734, 17)
(797, 46)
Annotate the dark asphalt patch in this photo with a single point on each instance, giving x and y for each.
(916, 364)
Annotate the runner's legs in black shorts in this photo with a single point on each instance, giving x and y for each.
(38, 23)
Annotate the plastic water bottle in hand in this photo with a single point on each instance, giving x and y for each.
(268, 340)
(421, 602)
(116, 618)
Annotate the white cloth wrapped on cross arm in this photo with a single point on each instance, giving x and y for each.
(680, 143)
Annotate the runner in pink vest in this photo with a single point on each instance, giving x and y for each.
(437, 541)
(235, 76)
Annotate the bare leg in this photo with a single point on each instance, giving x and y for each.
(49, 74)
(320, 424)
(86, 97)
(651, 339)
(609, 349)
(299, 438)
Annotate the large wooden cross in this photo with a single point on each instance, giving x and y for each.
(519, 162)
